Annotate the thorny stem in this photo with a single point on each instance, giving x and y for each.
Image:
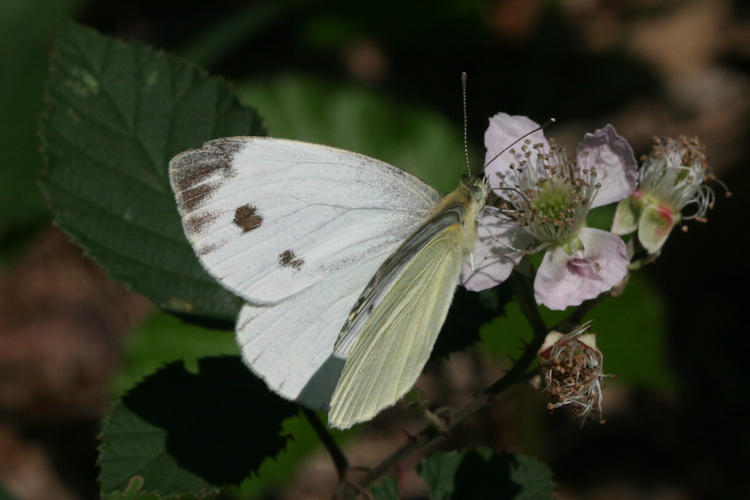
(430, 438)
(338, 457)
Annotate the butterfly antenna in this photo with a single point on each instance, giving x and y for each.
(466, 127)
(540, 127)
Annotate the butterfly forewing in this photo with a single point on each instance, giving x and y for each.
(269, 218)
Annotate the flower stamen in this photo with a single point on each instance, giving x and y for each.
(545, 192)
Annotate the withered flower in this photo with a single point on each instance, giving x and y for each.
(571, 366)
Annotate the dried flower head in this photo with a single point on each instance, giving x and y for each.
(571, 366)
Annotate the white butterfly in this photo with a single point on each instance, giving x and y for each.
(347, 265)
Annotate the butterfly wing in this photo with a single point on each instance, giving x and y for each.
(390, 333)
(297, 230)
(290, 344)
(269, 218)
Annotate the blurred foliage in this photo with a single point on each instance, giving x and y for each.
(4, 495)
(23, 66)
(385, 489)
(222, 35)
(541, 72)
(412, 138)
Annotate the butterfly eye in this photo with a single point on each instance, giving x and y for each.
(477, 192)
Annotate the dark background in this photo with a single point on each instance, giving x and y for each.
(649, 67)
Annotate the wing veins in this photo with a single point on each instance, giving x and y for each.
(351, 403)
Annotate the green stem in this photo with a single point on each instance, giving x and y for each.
(576, 317)
(524, 292)
(338, 457)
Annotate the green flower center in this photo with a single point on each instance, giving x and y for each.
(552, 200)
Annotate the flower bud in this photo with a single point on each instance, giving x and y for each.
(571, 366)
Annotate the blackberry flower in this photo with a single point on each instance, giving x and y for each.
(544, 198)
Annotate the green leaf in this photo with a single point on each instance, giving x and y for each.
(279, 471)
(182, 432)
(385, 489)
(419, 141)
(116, 114)
(482, 473)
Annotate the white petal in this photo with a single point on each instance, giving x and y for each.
(612, 158)
(564, 280)
(494, 258)
(503, 131)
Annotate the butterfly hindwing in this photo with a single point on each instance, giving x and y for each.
(389, 336)
(290, 344)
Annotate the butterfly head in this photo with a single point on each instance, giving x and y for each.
(478, 189)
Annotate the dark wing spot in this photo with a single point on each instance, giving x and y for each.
(205, 250)
(247, 218)
(285, 257)
(288, 259)
(196, 223)
(197, 171)
(215, 157)
(194, 197)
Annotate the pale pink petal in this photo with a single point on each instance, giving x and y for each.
(494, 259)
(564, 280)
(503, 131)
(612, 158)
